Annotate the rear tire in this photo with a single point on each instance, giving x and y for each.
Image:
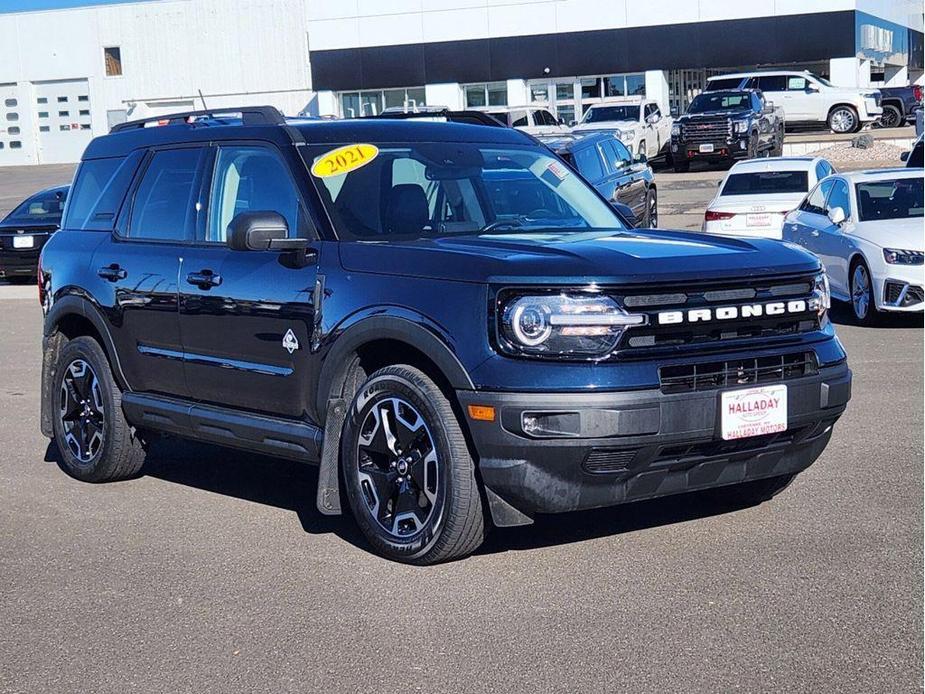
(778, 149)
(95, 441)
(409, 477)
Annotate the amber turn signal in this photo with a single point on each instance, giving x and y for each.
(482, 413)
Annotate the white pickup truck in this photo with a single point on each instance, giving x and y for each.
(638, 123)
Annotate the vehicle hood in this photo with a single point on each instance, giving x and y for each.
(780, 202)
(606, 125)
(905, 234)
(606, 257)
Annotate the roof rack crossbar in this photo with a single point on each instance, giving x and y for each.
(250, 115)
(470, 117)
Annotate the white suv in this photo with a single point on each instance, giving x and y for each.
(531, 119)
(808, 98)
(637, 123)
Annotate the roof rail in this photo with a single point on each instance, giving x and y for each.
(250, 115)
(470, 117)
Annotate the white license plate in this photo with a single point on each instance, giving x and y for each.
(753, 412)
(23, 242)
(706, 148)
(757, 220)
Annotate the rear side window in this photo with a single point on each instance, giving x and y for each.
(823, 169)
(93, 177)
(772, 83)
(519, 119)
(589, 163)
(165, 203)
(725, 83)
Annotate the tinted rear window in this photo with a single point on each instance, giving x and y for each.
(727, 83)
(766, 183)
(42, 208)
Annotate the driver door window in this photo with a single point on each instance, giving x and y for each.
(250, 179)
(815, 201)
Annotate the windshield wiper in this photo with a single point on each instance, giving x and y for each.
(504, 224)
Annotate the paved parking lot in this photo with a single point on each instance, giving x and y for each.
(214, 572)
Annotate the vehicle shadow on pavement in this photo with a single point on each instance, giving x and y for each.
(841, 314)
(291, 485)
(284, 484)
(577, 526)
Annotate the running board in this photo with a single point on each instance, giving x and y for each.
(275, 436)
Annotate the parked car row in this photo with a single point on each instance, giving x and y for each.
(865, 226)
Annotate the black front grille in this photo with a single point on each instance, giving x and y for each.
(697, 132)
(732, 297)
(609, 460)
(736, 372)
(719, 448)
(893, 293)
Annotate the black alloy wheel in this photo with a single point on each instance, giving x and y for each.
(83, 415)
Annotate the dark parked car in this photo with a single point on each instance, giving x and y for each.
(445, 316)
(727, 125)
(25, 230)
(900, 105)
(605, 163)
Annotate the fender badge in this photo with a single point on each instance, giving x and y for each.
(290, 343)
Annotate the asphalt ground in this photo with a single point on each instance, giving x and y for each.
(213, 572)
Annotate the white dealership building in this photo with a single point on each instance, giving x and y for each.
(68, 75)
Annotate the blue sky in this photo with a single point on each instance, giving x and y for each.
(19, 5)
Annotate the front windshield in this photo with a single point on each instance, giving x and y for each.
(720, 101)
(43, 208)
(821, 80)
(899, 198)
(434, 189)
(599, 114)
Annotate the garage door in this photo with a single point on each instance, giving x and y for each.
(12, 114)
(62, 110)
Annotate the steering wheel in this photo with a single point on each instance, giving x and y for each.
(541, 213)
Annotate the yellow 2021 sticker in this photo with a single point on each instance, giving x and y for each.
(344, 160)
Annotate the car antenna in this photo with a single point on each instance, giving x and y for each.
(203, 100)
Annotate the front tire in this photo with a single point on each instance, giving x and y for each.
(651, 209)
(94, 439)
(409, 477)
(862, 294)
(844, 119)
(892, 117)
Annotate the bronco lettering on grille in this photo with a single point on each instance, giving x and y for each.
(698, 315)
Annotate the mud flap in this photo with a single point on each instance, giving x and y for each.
(328, 499)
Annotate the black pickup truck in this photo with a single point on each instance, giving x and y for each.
(900, 104)
(727, 125)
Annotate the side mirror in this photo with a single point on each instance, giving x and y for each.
(641, 158)
(811, 90)
(572, 123)
(904, 156)
(625, 212)
(261, 230)
(837, 216)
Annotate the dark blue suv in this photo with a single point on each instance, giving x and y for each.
(444, 316)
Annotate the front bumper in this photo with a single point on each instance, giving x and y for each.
(723, 149)
(639, 444)
(900, 288)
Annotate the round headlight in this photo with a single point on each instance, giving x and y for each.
(530, 322)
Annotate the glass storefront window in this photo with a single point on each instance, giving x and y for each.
(590, 88)
(614, 86)
(636, 85)
(539, 93)
(371, 103)
(480, 95)
(565, 91)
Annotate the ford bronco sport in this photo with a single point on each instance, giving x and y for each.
(444, 316)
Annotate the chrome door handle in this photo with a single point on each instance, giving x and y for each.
(113, 273)
(204, 279)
